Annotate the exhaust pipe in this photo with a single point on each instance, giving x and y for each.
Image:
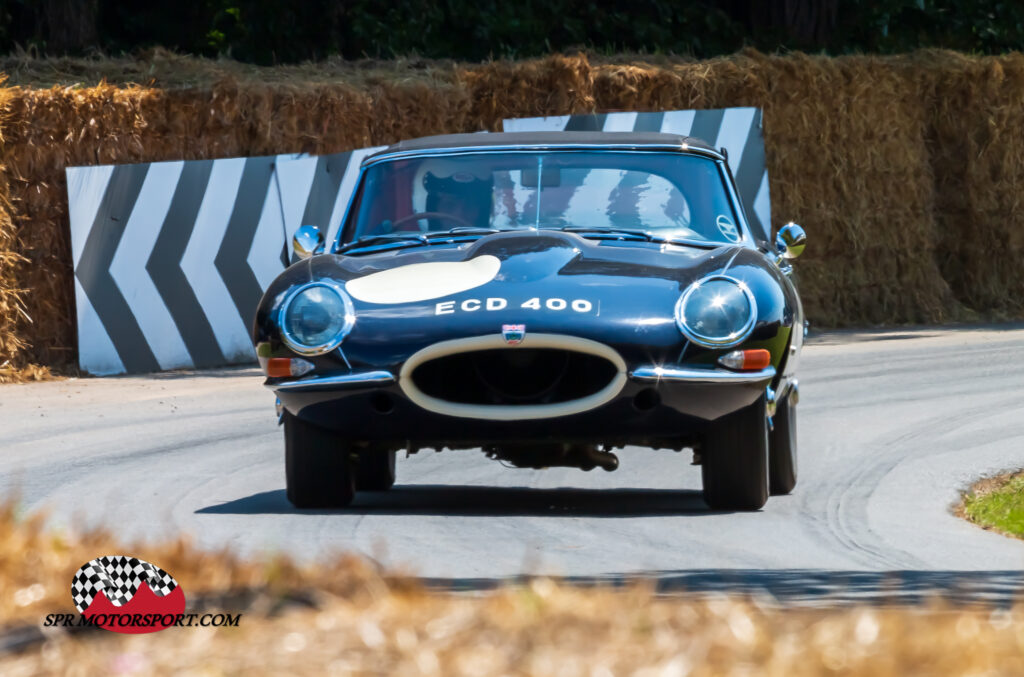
(561, 455)
(592, 457)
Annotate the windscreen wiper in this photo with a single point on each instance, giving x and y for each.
(685, 241)
(460, 232)
(603, 233)
(389, 241)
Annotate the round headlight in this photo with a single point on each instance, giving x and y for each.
(716, 312)
(316, 318)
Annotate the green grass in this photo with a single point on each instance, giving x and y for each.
(999, 506)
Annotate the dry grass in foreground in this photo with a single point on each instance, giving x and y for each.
(26, 374)
(359, 622)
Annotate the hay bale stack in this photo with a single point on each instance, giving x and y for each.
(247, 119)
(12, 305)
(406, 110)
(905, 170)
(557, 85)
(976, 111)
(847, 158)
(44, 132)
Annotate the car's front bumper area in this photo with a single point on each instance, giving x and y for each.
(656, 406)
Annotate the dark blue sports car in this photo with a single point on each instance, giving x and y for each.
(547, 298)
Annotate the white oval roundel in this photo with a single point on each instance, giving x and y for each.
(424, 281)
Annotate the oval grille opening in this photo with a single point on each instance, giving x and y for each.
(514, 376)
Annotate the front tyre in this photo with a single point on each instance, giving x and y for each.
(782, 443)
(317, 466)
(375, 470)
(734, 461)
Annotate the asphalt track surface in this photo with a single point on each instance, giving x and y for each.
(892, 427)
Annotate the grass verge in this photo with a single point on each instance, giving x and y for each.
(997, 503)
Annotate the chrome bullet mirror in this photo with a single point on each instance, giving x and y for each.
(791, 240)
(308, 241)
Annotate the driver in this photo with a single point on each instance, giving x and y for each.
(462, 196)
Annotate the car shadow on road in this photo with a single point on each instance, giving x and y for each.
(463, 500)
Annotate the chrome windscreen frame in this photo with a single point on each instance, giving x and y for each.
(746, 238)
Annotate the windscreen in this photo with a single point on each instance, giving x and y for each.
(669, 194)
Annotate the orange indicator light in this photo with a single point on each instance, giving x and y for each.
(756, 359)
(746, 360)
(279, 367)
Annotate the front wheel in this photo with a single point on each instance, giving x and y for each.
(734, 460)
(782, 443)
(317, 466)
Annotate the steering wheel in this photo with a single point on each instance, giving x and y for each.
(432, 215)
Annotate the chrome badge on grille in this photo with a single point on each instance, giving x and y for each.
(513, 333)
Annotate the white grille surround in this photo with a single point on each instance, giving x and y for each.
(502, 412)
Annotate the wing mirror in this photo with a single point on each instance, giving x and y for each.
(308, 240)
(791, 241)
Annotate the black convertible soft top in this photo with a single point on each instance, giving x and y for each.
(653, 140)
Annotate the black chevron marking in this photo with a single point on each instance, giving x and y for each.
(586, 123)
(648, 122)
(706, 124)
(94, 268)
(164, 266)
(749, 173)
(231, 258)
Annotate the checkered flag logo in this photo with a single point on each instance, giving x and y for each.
(119, 578)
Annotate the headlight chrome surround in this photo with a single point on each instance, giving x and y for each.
(735, 337)
(348, 321)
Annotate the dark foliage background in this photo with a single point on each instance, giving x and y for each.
(269, 31)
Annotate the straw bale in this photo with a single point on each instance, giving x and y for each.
(410, 109)
(847, 158)
(976, 112)
(12, 303)
(44, 132)
(556, 85)
(269, 119)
